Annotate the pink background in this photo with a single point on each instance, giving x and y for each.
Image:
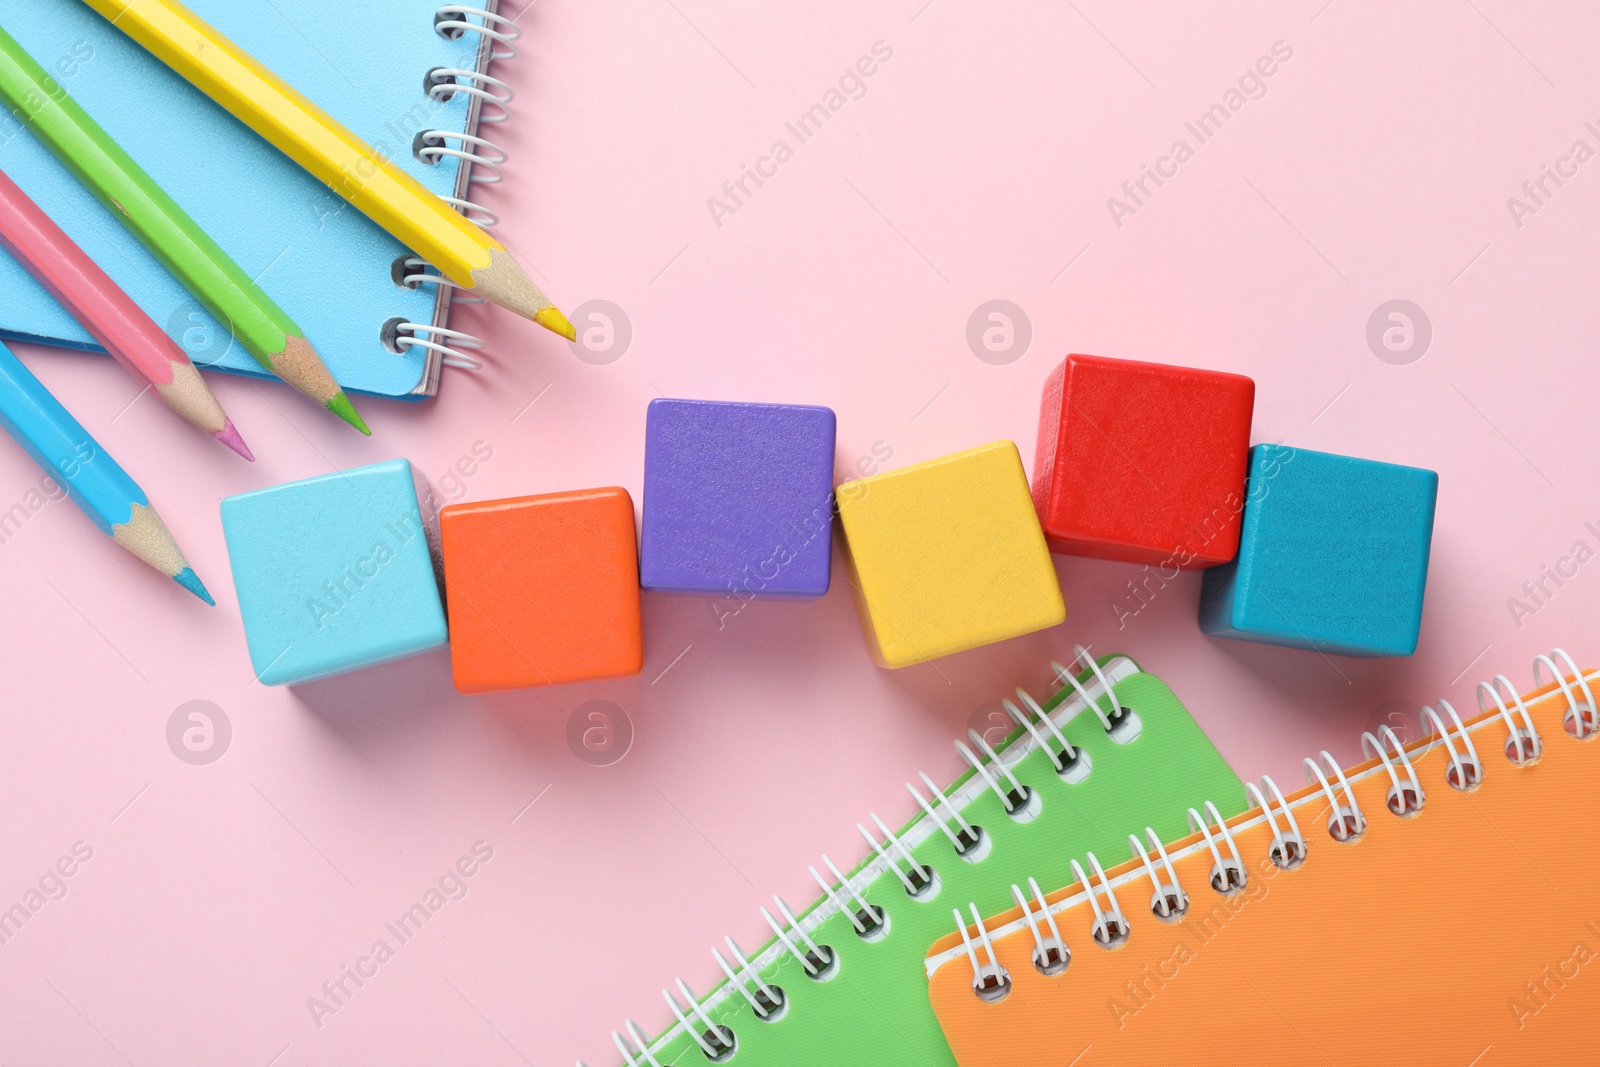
(977, 166)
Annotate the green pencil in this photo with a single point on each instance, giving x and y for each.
(266, 331)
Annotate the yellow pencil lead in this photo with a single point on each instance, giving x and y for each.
(552, 319)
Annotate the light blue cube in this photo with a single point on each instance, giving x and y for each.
(1333, 555)
(334, 573)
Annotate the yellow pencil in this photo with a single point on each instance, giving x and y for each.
(349, 166)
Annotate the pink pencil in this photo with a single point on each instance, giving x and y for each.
(110, 316)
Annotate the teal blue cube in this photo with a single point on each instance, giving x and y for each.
(1333, 555)
(334, 573)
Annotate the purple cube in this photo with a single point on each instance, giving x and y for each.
(738, 499)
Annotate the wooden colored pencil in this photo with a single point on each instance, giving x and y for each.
(130, 194)
(102, 490)
(109, 314)
(339, 159)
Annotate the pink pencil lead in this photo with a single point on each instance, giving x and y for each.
(229, 436)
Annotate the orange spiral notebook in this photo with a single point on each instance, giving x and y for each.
(1439, 904)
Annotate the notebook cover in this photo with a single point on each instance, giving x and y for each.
(1463, 934)
(324, 262)
(875, 1008)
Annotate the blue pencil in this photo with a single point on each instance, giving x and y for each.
(101, 489)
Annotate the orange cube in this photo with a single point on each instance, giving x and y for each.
(542, 589)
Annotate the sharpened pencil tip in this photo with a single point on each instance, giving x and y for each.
(502, 281)
(191, 581)
(552, 319)
(340, 405)
(300, 366)
(229, 436)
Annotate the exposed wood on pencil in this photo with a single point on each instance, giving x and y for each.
(396, 201)
(504, 282)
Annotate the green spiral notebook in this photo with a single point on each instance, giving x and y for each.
(1111, 753)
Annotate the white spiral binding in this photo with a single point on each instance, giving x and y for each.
(1288, 849)
(989, 980)
(400, 335)
(1227, 874)
(1464, 771)
(1403, 800)
(1122, 724)
(445, 82)
(451, 23)
(1580, 719)
(1110, 927)
(717, 1042)
(1167, 899)
(1019, 798)
(820, 962)
(635, 1043)
(1071, 764)
(1523, 743)
(481, 163)
(411, 272)
(1346, 822)
(966, 841)
(917, 878)
(768, 1000)
(432, 146)
(1050, 954)
(871, 922)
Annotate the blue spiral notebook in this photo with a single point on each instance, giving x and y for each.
(408, 76)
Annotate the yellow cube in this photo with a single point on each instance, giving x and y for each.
(947, 555)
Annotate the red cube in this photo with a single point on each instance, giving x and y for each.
(1142, 462)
